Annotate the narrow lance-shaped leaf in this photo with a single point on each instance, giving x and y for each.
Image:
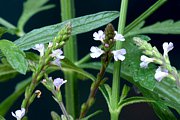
(8, 102)
(164, 27)
(30, 8)
(79, 25)
(14, 56)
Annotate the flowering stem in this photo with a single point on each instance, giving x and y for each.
(144, 15)
(117, 64)
(70, 51)
(61, 105)
(95, 85)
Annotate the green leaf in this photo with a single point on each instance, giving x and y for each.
(6, 72)
(6, 24)
(2, 118)
(164, 27)
(106, 91)
(8, 102)
(133, 100)
(55, 116)
(91, 115)
(125, 92)
(2, 31)
(14, 56)
(30, 8)
(79, 25)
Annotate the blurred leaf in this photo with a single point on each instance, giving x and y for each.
(6, 72)
(91, 115)
(9, 101)
(125, 92)
(30, 8)
(2, 118)
(79, 25)
(164, 27)
(2, 31)
(55, 116)
(14, 56)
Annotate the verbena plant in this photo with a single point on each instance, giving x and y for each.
(124, 53)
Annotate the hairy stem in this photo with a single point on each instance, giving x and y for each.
(117, 64)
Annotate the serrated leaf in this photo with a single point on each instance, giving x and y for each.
(30, 8)
(164, 27)
(6, 72)
(79, 25)
(14, 56)
(8, 102)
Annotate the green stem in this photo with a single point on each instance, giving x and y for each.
(144, 15)
(117, 65)
(70, 51)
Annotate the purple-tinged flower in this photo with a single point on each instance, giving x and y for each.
(58, 82)
(167, 47)
(19, 114)
(160, 73)
(145, 61)
(56, 62)
(57, 54)
(40, 48)
(119, 54)
(99, 36)
(118, 36)
(96, 52)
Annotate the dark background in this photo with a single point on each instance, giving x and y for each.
(10, 10)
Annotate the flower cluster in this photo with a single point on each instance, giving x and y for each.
(154, 56)
(101, 36)
(56, 54)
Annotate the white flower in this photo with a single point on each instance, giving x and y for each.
(40, 48)
(119, 54)
(118, 36)
(145, 61)
(57, 54)
(58, 82)
(56, 62)
(50, 44)
(99, 36)
(167, 47)
(160, 73)
(96, 52)
(19, 114)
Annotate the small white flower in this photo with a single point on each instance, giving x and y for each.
(160, 73)
(99, 36)
(118, 36)
(96, 52)
(19, 114)
(56, 62)
(57, 54)
(40, 48)
(58, 82)
(145, 61)
(167, 47)
(119, 54)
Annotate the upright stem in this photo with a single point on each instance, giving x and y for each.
(117, 64)
(144, 15)
(70, 51)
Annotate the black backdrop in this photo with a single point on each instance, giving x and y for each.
(40, 109)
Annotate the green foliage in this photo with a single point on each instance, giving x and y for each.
(91, 115)
(6, 72)
(8, 102)
(30, 8)
(55, 116)
(7, 27)
(79, 25)
(164, 27)
(14, 56)
(2, 31)
(2, 118)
